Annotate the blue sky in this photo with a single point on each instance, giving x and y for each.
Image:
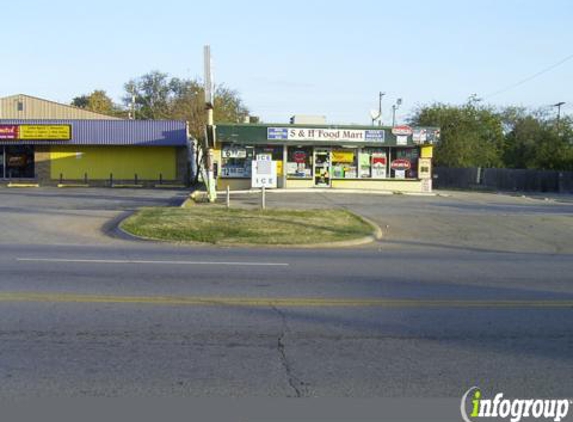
(298, 57)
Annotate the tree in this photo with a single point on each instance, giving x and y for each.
(157, 96)
(471, 135)
(152, 94)
(98, 102)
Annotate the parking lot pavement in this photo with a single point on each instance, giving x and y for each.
(71, 216)
(450, 220)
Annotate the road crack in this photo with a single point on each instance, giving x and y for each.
(294, 382)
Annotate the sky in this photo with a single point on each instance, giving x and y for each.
(328, 58)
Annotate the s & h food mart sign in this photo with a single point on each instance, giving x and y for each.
(314, 134)
(36, 132)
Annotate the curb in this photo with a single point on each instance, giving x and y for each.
(23, 185)
(374, 237)
(72, 185)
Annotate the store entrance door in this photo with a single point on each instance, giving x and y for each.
(322, 167)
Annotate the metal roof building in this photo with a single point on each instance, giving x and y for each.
(23, 106)
(109, 132)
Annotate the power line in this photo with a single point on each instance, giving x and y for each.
(529, 78)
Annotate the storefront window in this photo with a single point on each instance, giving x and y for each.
(236, 161)
(374, 163)
(299, 162)
(19, 162)
(344, 164)
(401, 156)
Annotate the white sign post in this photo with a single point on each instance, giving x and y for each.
(264, 172)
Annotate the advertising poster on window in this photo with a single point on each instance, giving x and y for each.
(364, 164)
(379, 164)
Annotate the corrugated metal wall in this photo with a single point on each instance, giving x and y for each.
(123, 162)
(27, 107)
(112, 132)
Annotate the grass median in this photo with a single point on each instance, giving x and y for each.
(219, 225)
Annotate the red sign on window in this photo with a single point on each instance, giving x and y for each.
(8, 132)
(299, 157)
(401, 164)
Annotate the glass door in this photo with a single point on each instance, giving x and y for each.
(322, 167)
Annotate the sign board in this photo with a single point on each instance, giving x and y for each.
(36, 132)
(300, 156)
(402, 130)
(234, 152)
(343, 156)
(316, 134)
(401, 164)
(419, 136)
(425, 168)
(379, 165)
(8, 131)
(264, 172)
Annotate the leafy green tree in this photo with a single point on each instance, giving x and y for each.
(471, 135)
(536, 141)
(98, 101)
(152, 93)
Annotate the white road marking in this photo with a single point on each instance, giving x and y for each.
(134, 261)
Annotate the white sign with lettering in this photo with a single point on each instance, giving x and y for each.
(315, 134)
(264, 173)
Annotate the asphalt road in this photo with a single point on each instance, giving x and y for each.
(423, 313)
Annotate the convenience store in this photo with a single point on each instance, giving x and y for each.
(328, 156)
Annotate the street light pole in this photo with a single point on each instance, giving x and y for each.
(394, 108)
(380, 108)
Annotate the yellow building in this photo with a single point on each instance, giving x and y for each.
(45, 142)
(327, 156)
(94, 152)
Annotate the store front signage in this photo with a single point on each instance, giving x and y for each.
(234, 152)
(403, 130)
(314, 134)
(425, 168)
(8, 132)
(46, 132)
(36, 132)
(401, 164)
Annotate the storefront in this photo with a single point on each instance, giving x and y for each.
(353, 157)
(94, 152)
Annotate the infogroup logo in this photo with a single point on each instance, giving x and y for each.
(513, 409)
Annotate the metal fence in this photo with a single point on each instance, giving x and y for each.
(503, 179)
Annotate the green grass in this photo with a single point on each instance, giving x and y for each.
(218, 225)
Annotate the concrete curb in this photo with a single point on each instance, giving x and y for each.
(375, 236)
(23, 185)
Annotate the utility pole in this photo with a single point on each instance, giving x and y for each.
(209, 174)
(558, 105)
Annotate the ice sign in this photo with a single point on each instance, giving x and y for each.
(264, 173)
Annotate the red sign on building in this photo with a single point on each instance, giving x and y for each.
(8, 132)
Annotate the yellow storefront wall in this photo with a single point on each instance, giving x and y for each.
(73, 162)
(391, 185)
